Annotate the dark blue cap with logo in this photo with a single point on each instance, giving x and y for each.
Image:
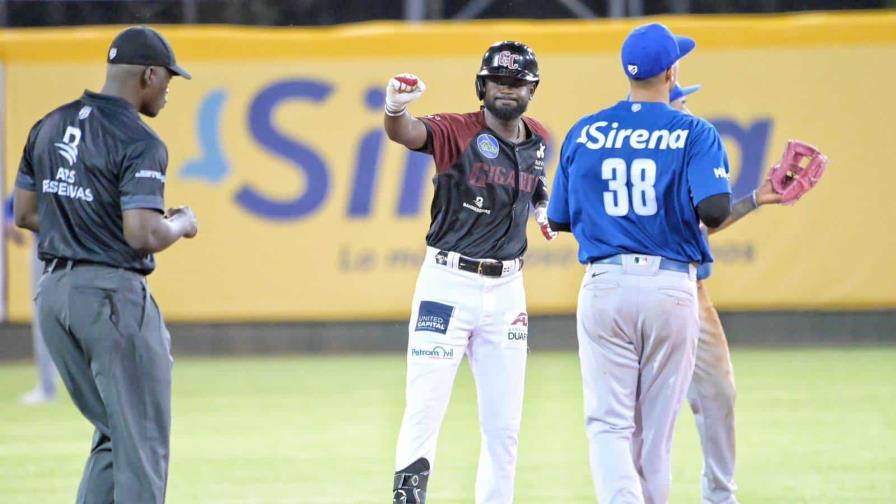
(651, 49)
(679, 92)
(141, 45)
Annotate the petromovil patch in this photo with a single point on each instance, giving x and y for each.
(488, 145)
(434, 317)
(436, 352)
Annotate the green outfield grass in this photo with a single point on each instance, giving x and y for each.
(814, 426)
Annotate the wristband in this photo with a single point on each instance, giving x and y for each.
(395, 114)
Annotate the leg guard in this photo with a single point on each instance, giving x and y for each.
(410, 483)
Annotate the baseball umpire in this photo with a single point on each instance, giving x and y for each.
(633, 183)
(469, 296)
(91, 180)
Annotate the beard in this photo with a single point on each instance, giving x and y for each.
(505, 112)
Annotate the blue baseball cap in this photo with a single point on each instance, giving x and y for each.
(679, 92)
(651, 49)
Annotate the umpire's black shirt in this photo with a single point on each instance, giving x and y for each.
(89, 161)
(483, 185)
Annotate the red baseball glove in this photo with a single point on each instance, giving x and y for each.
(800, 168)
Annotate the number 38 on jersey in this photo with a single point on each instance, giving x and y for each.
(630, 186)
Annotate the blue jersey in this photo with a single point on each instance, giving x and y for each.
(630, 178)
(8, 210)
(705, 269)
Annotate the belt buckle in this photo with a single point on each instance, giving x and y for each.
(641, 260)
(487, 262)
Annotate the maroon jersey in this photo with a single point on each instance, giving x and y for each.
(483, 185)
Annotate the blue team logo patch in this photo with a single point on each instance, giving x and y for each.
(488, 145)
(434, 317)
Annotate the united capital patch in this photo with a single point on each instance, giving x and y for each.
(434, 317)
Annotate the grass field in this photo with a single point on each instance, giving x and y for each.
(814, 426)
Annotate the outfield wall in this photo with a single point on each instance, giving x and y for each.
(546, 333)
(308, 213)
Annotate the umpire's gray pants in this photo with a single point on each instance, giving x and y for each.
(109, 342)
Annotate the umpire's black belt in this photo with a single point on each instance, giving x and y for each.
(484, 267)
(59, 263)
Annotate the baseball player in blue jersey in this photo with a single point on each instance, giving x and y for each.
(712, 393)
(45, 390)
(633, 184)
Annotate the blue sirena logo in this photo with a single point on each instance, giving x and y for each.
(213, 165)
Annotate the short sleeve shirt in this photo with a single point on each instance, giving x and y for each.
(484, 185)
(630, 178)
(88, 161)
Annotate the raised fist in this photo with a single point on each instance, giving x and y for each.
(401, 90)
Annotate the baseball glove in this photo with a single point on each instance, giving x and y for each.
(800, 168)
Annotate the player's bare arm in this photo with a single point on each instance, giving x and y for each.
(400, 125)
(149, 231)
(25, 209)
(764, 195)
(540, 203)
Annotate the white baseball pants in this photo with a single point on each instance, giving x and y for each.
(711, 396)
(455, 313)
(637, 331)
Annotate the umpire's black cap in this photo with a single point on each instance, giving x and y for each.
(141, 45)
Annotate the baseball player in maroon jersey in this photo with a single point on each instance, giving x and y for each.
(469, 297)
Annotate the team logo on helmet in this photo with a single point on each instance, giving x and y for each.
(112, 53)
(508, 59)
(633, 69)
(488, 145)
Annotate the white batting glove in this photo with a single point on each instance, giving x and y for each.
(541, 217)
(402, 90)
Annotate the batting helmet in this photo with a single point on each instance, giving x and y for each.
(508, 58)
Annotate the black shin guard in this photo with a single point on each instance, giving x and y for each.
(410, 483)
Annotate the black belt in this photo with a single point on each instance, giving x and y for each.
(485, 267)
(61, 264)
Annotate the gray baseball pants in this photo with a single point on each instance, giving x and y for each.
(711, 396)
(109, 342)
(46, 371)
(637, 331)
